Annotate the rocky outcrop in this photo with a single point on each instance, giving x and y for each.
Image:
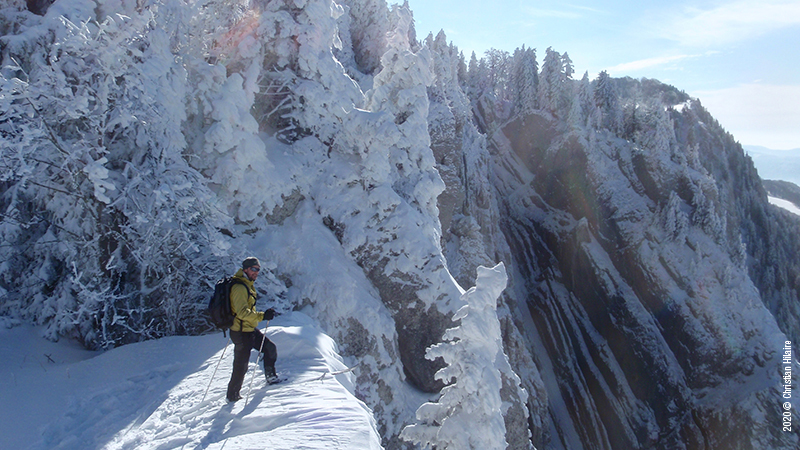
(637, 315)
(646, 335)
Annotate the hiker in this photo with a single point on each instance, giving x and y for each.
(244, 332)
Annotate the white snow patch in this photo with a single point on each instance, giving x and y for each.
(785, 204)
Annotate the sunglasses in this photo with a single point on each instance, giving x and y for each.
(255, 268)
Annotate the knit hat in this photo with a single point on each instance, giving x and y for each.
(249, 262)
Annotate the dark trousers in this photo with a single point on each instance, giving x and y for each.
(243, 342)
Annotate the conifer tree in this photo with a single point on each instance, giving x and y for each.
(583, 103)
(368, 30)
(607, 102)
(569, 68)
(468, 414)
(473, 76)
(551, 82)
(525, 80)
(462, 70)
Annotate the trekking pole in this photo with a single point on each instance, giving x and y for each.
(258, 358)
(215, 369)
(189, 430)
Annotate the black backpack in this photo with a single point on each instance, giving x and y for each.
(219, 307)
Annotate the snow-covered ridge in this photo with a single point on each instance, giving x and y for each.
(146, 153)
(150, 395)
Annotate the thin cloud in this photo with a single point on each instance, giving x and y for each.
(571, 12)
(648, 63)
(729, 23)
(550, 13)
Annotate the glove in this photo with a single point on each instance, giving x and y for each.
(269, 314)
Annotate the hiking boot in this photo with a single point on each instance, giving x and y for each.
(235, 398)
(272, 377)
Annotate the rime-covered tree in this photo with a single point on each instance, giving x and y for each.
(476, 77)
(445, 65)
(368, 31)
(569, 67)
(551, 82)
(608, 113)
(96, 187)
(676, 220)
(444, 94)
(582, 104)
(497, 65)
(524, 80)
(468, 414)
(462, 70)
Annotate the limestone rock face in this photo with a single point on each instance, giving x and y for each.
(648, 325)
(637, 307)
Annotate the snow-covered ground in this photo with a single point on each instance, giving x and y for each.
(785, 204)
(150, 395)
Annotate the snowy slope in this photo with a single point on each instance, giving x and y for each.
(150, 395)
(785, 204)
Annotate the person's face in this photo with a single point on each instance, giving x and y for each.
(252, 272)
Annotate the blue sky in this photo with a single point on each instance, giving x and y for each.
(741, 57)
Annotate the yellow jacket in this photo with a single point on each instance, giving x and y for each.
(243, 304)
